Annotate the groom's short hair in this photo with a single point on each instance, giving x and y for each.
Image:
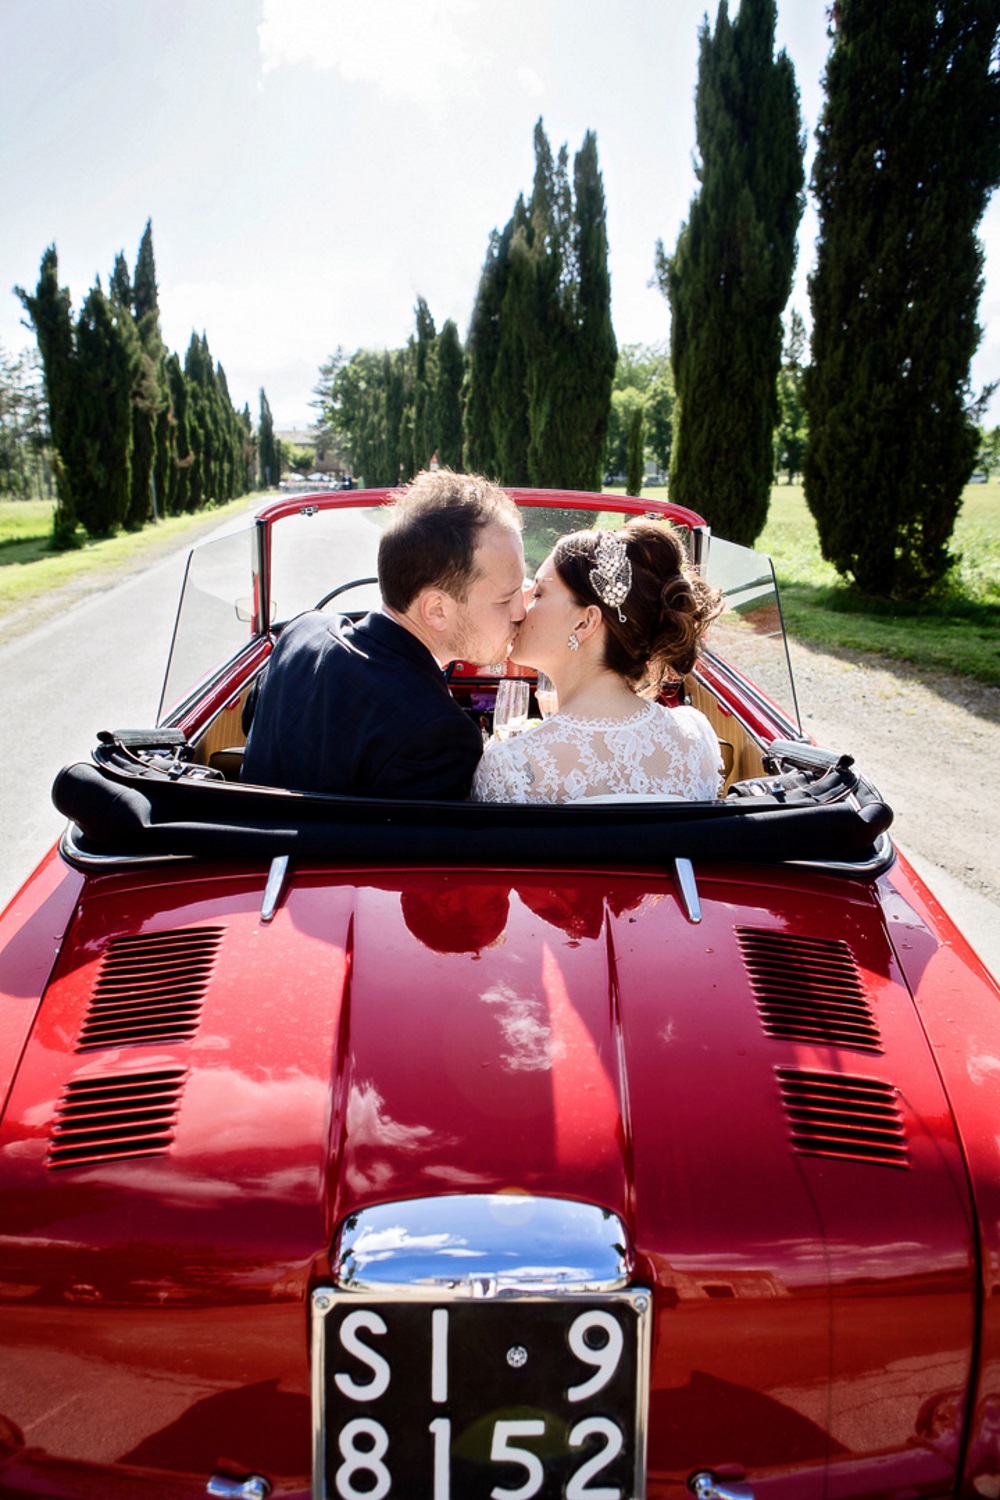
(432, 532)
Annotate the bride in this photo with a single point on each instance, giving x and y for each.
(611, 617)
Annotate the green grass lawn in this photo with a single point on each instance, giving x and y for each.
(29, 569)
(25, 521)
(957, 631)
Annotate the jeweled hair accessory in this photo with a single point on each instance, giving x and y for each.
(612, 577)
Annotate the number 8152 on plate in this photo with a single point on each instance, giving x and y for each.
(498, 1398)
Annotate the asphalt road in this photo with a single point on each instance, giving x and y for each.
(100, 665)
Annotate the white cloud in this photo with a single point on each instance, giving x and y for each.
(408, 49)
(530, 83)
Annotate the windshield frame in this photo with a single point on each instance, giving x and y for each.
(251, 593)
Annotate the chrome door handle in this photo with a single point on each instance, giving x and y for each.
(254, 1487)
(705, 1486)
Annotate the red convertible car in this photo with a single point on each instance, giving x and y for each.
(362, 1149)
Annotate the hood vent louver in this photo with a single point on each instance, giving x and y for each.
(150, 988)
(855, 1119)
(808, 989)
(104, 1119)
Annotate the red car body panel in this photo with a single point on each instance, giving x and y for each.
(958, 1004)
(593, 1044)
(32, 929)
(816, 1211)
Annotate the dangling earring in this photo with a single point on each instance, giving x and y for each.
(574, 644)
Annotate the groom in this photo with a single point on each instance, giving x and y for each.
(364, 709)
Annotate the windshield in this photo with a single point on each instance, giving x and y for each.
(331, 554)
(213, 617)
(750, 634)
(317, 551)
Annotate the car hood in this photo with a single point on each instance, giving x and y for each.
(206, 1096)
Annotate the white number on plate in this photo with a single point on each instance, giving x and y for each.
(605, 1358)
(367, 1460)
(578, 1487)
(504, 1451)
(364, 1443)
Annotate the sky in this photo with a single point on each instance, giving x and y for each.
(311, 167)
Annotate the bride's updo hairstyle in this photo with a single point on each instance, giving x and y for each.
(667, 607)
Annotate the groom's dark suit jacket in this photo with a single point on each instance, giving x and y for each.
(360, 709)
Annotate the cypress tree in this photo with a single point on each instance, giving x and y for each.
(120, 285)
(181, 457)
(790, 436)
(229, 440)
(485, 333)
(731, 272)
(214, 411)
(146, 400)
(635, 457)
(402, 386)
(151, 418)
(543, 315)
(144, 289)
(424, 376)
(87, 381)
(598, 347)
(509, 397)
(589, 366)
(481, 345)
(143, 398)
(397, 451)
(247, 452)
(366, 381)
(199, 472)
(541, 348)
(162, 461)
(50, 310)
(122, 413)
(909, 152)
(267, 453)
(448, 397)
(103, 460)
(660, 402)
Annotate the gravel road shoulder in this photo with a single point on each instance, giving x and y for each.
(927, 740)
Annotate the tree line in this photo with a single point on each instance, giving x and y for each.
(877, 413)
(24, 427)
(908, 155)
(135, 432)
(527, 400)
(878, 416)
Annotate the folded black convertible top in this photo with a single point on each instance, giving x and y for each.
(147, 813)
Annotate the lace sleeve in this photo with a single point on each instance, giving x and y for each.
(496, 777)
(707, 778)
(657, 752)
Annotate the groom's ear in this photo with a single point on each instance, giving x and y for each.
(435, 610)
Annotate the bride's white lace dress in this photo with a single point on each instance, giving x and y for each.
(666, 752)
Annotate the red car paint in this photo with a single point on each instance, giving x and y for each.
(825, 1315)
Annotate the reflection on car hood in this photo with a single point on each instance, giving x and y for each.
(206, 1097)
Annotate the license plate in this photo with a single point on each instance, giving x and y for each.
(510, 1397)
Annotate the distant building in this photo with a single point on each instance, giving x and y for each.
(328, 460)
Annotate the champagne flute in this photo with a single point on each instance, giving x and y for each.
(545, 696)
(510, 712)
